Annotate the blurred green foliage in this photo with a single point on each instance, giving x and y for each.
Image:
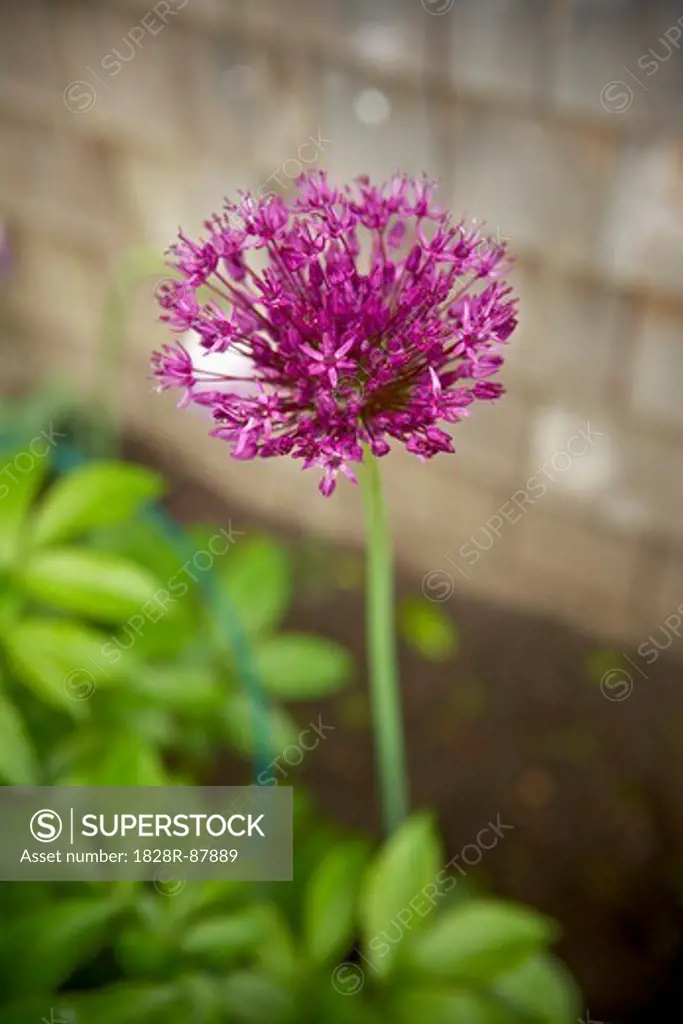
(352, 938)
(427, 628)
(104, 682)
(103, 624)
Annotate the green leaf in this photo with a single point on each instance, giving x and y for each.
(610, 670)
(94, 495)
(277, 955)
(408, 862)
(175, 619)
(217, 896)
(77, 758)
(90, 583)
(294, 666)
(39, 951)
(127, 760)
(33, 1009)
(11, 607)
(137, 1002)
(20, 478)
(17, 900)
(61, 661)
(220, 941)
(252, 998)
(480, 940)
(198, 1000)
(435, 1006)
(142, 952)
(257, 577)
(167, 631)
(330, 1003)
(427, 628)
(18, 759)
(331, 902)
(275, 730)
(145, 541)
(541, 991)
(182, 687)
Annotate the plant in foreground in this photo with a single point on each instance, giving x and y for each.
(112, 655)
(375, 317)
(356, 938)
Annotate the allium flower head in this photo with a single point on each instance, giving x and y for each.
(375, 318)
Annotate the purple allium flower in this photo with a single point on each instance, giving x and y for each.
(371, 316)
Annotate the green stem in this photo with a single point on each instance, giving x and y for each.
(381, 639)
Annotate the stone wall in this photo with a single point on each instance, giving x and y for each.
(559, 123)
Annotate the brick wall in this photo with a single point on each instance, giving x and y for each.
(559, 123)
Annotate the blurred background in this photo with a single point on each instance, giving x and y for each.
(548, 552)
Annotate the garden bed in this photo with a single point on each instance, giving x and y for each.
(511, 730)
